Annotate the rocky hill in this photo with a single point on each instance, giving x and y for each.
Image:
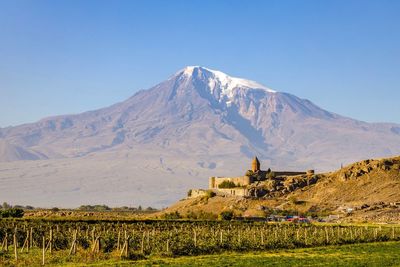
(363, 191)
(363, 184)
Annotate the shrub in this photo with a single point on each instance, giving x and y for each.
(293, 200)
(172, 216)
(226, 215)
(227, 184)
(210, 194)
(17, 213)
(189, 193)
(249, 173)
(191, 215)
(12, 212)
(94, 208)
(6, 206)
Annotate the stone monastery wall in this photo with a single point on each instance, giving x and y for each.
(241, 192)
(284, 173)
(214, 182)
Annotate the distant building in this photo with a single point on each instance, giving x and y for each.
(239, 185)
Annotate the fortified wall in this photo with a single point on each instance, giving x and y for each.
(284, 173)
(237, 191)
(197, 193)
(214, 182)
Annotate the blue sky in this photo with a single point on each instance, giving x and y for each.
(62, 57)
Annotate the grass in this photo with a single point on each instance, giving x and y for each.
(369, 254)
(372, 254)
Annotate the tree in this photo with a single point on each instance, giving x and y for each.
(172, 216)
(226, 215)
(101, 208)
(210, 194)
(13, 213)
(271, 175)
(227, 184)
(249, 173)
(16, 213)
(6, 206)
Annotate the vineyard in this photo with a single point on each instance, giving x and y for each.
(140, 239)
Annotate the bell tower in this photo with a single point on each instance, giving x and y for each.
(255, 165)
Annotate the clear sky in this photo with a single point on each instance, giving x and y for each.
(62, 57)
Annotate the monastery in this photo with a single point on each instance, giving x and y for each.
(254, 183)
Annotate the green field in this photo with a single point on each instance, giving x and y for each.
(180, 243)
(369, 254)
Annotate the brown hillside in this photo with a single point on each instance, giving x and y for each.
(365, 182)
(366, 190)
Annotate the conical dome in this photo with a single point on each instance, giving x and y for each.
(255, 165)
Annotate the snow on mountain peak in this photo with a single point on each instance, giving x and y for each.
(226, 83)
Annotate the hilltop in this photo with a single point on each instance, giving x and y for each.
(362, 191)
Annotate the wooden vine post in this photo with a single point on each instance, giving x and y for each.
(26, 243)
(51, 241)
(96, 245)
(43, 249)
(15, 246)
(118, 240)
(305, 236)
(195, 238)
(125, 246)
(30, 238)
(4, 243)
(142, 244)
(262, 238)
(73, 245)
(326, 235)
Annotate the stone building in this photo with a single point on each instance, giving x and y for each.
(242, 185)
(239, 181)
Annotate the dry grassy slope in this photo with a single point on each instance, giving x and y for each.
(365, 182)
(217, 204)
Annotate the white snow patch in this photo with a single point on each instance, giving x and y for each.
(226, 83)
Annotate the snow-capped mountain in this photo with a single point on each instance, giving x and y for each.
(221, 85)
(164, 140)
